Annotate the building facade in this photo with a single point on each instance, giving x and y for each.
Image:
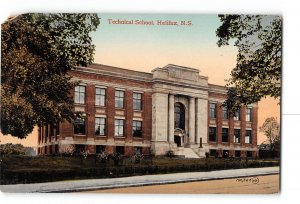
(171, 109)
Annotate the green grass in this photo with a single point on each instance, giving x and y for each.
(24, 169)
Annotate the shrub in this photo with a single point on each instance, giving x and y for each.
(25, 169)
(9, 148)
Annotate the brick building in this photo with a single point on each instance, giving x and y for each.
(171, 109)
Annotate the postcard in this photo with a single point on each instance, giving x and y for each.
(141, 103)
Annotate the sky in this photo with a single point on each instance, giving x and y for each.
(145, 47)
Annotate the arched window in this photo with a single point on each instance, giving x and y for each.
(179, 116)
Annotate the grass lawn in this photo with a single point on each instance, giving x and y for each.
(26, 169)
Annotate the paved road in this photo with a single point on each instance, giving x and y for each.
(247, 185)
(93, 184)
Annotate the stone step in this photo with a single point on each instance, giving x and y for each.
(187, 152)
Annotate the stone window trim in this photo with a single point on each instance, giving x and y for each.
(138, 119)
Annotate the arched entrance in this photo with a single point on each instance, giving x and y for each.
(179, 123)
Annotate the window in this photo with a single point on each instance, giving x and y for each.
(119, 128)
(237, 135)
(120, 150)
(212, 108)
(100, 97)
(100, 149)
(79, 126)
(225, 153)
(80, 94)
(138, 150)
(224, 112)
(248, 137)
(249, 114)
(137, 101)
(79, 148)
(119, 99)
(237, 153)
(237, 114)
(249, 154)
(212, 134)
(224, 134)
(179, 116)
(213, 152)
(100, 126)
(137, 128)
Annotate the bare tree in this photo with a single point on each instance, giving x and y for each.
(271, 129)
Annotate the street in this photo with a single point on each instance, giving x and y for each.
(248, 185)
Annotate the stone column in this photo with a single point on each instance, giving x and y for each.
(171, 119)
(192, 120)
(159, 141)
(201, 120)
(198, 117)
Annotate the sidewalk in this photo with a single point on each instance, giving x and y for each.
(94, 184)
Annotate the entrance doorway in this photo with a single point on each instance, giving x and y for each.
(177, 140)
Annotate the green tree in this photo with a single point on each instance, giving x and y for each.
(271, 129)
(9, 148)
(257, 73)
(37, 51)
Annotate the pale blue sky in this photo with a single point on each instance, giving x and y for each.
(201, 33)
(145, 47)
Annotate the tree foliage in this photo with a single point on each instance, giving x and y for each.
(37, 51)
(9, 148)
(257, 73)
(271, 129)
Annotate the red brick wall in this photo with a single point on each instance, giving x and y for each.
(254, 126)
(128, 115)
(219, 123)
(231, 123)
(110, 101)
(146, 150)
(91, 149)
(129, 151)
(231, 130)
(147, 116)
(243, 125)
(90, 110)
(110, 149)
(66, 130)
